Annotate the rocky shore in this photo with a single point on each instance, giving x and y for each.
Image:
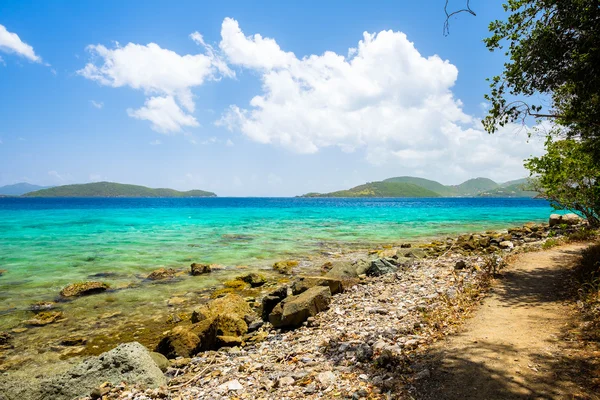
(355, 331)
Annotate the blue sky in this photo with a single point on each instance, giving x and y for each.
(266, 98)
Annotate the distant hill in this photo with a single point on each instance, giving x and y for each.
(380, 189)
(409, 186)
(19, 189)
(445, 191)
(517, 188)
(473, 187)
(111, 189)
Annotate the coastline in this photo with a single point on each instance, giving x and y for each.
(439, 257)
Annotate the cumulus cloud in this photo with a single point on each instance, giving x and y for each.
(156, 71)
(383, 97)
(11, 43)
(164, 114)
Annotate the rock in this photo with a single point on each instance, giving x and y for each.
(130, 363)
(271, 300)
(200, 269)
(73, 341)
(285, 267)
(461, 264)
(506, 244)
(411, 253)
(326, 378)
(161, 361)
(45, 318)
(42, 306)
(5, 337)
(294, 310)
(405, 246)
(255, 325)
(83, 289)
(381, 267)
(230, 386)
(210, 330)
(567, 219)
(285, 381)
(254, 279)
(235, 284)
(161, 273)
(176, 301)
(228, 341)
(302, 284)
(179, 342)
(3, 271)
(346, 269)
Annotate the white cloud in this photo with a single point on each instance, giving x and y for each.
(384, 97)
(164, 114)
(56, 175)
(11, 43)
(157, 71)
(97, 104)
(155, 143)
(229, 143)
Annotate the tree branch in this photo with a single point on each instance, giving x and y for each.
(448, 15)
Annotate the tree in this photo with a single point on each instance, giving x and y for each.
(554, 51)
(568, 177)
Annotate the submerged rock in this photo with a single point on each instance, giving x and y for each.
(42, 306)
(200, 269)
(3, 271)
(129, 362)
(285, 267)
(254, 279)
(45, 318)
(162, 273)
(294, 310)
(83, 289)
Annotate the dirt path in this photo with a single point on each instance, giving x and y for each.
(509, 349)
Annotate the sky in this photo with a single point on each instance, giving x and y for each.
(269, 98)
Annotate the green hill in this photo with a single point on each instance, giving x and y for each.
(442, 190)
(517, 188)
(380, 189)
(474, 186)
(111, 189)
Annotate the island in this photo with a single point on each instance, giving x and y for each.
(112, 189)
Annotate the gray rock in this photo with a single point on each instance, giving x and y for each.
(129, 362)
(326, 378)
(161, 361)
(461, 264)
(568, 219)
(347, 269)
(294, 310)
(381, 267)
(507, 244)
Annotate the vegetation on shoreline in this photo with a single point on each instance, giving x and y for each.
(111, 189)
(380, 189)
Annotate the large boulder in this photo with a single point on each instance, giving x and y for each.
(302, 284)
(294, 310)
(83, 289)
(179, 342)
(380, 267)
(214, 324)
(271, 300)
(348, 269)
(567, 219)
(129, 362)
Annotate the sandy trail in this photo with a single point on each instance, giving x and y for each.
(509, 349)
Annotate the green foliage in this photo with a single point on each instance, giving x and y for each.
(568, 178)
(554, 49)
(442, 190)
(111, 189)
(380, 189)
(582, 235)
(523, 188)
(549, 243)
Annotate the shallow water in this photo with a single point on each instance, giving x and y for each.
(46, 244)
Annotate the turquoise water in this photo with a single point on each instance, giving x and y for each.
(46, 244)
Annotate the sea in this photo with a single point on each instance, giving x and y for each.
(48, 243)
